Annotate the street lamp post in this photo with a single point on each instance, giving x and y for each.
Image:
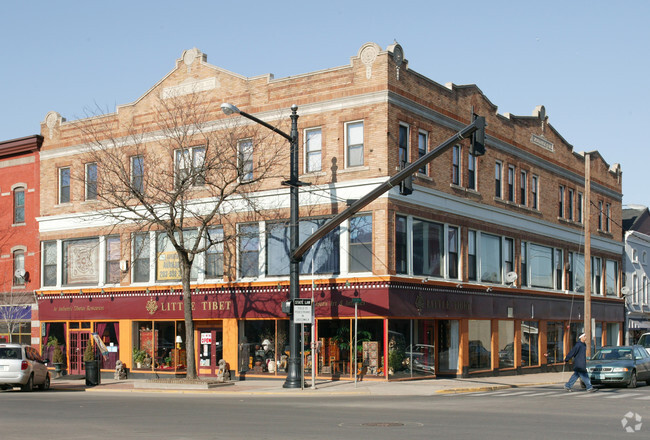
(293, 376)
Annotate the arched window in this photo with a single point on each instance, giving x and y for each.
(19, 205)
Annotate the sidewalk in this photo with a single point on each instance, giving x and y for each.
(426, 387)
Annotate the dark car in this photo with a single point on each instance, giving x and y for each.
(625, 365)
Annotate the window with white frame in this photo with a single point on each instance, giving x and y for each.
(428, 248)
(91, 181)
(168, 266)
(611, 278)
(455, 165)
(471, 171)
(190, 166)
(360, 244)
(354, 144)
(249, 250)
(313, 150)
(49, 262)
(113, 254)
(511, 184)
(509, 255)
(534, 192)
(453, 244)
(423, 146)
(523, 188)
(403, 145)
(64, 185)
(137, 174)
(19, 205)
(644, 289)
(214, 254)
(245, 159)
(401, 245)
(141, 251)
(635, 289)
(19, 267)
(491, 258)
(497, 179)
(578, 262)
(540, 260)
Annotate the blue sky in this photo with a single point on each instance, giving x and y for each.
(587, 62)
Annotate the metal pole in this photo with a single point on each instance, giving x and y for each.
(293, 377)
(302, 356)
(356, 306)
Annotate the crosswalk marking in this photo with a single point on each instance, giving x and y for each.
(557, 393)
(517, 393)
(620, 396)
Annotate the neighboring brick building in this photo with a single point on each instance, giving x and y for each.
(636, 226)
(478, 271)
(19, 243)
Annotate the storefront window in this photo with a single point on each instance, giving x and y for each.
(480, 336)
(506, 344)
(109, 333)
(411, 348)
(529, 343)
(156, 345)
(555, 342)
(263, 346)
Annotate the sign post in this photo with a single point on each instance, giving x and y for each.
(356, 302)
(302, 314)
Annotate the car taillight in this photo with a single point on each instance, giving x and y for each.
(24, 365)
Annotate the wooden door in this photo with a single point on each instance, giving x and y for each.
(78, 342)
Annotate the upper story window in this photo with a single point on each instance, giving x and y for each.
(168, 267)
(245, 159)
(611, 278)
(137, 174)
(64, 185)
(360, 244)
(249, 250)
(600, 215)
(189, 166)
(403, 145)
(580, 207)
(597, 272)
(423, 142)
(214, 254)
(354, 143)
(523, 187)
(455, 165)
(91, 181)
(472, 260)
(570, 204)
(558, 263)
(49, 258)
(509, 254)
(511, 184)
(560, 205)
(608, 211)
(491, 258)
(534, 192)
(453, 244)
(19, 205)
(635, 288)
(313, 150)
(497, 179)
(141, 251)
(113, 254)
(643, 257)
(401, 245)
(471, 171)
(81, 261)
(523, 265)
(19, 268)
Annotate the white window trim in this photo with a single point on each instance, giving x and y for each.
(500, 164)
(347, 147)
(306, 151)
(59, 187)
(239, 159)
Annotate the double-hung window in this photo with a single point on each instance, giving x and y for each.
(423, 141)
(523, 263)
(597, 275)
(245, 161)
(453, 238)
(113, 253)
(511, 184)
(137, 174)
(401, 245)
(608, 209)
(455, 165)
(249, 250)
(471, 171)
(19, 268)
(611, 277)
(403, 145)
(354, 144)
(19, 205)
(49, 259)
(64, 185)
(491, 258)
(580, 207)
(523, 187)
(570, 204)
(141, 251)
(428, 248)
(91, 181)
(361, 243)
(214, 253)
(497, 179)
(190, 166)
(313, 150)
(560, 205)
(534, 191)
(600, 215)
(472, 261)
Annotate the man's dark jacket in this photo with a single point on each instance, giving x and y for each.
(579, 353)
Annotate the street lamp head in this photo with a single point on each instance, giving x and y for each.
(229, 109)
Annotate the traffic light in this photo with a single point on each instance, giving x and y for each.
(477, 145)
(406, 186)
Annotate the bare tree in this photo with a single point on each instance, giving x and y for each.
(180, 173)
(15, 307)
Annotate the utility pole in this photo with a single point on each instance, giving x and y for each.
(587, 221)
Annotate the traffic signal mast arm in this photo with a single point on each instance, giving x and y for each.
(477, 127)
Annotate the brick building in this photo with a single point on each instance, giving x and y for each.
(19, 244)
(479, 271)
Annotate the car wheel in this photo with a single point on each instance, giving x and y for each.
(632, 382)
(46, 383)
(29, 386)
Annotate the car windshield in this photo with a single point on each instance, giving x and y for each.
(614, 354)
(10, 353)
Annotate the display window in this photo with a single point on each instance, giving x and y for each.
(554, 342)
(411, 348)
(506, 344)
(480, 336)
(529, 343)
(159, 345)
(263, 346)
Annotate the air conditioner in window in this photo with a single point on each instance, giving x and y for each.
(124, 265)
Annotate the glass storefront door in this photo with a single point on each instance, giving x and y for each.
(210, 351)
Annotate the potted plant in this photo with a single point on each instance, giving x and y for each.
(92, 369)
(57, 358)
(138, 357)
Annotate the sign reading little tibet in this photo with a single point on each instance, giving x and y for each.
(541, 141)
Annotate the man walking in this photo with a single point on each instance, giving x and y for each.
(579, 354)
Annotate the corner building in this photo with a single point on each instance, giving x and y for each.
(480, 271)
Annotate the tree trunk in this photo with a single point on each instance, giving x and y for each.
(187, 314)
